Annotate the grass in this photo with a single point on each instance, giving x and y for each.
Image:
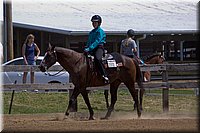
(173, 91)
(29, 102)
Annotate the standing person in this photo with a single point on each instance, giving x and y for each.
(128, 46)
(95, 44)
(1, 53)
(28, 53)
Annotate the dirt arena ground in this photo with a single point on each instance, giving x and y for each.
(118, 122)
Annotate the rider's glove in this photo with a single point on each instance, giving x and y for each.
(86, 51)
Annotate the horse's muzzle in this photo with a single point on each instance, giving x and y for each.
(42, 68)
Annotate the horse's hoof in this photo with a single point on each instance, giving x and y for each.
(67, 113)
(139, 115)
(91, 118)
(104, 118)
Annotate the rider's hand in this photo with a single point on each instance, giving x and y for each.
(86, 51)
(25, 62)
(35, 58)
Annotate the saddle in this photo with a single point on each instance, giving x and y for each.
(109, 61)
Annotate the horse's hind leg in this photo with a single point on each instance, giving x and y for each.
(141, 97)
(113, 91)
(141, 92)
(106, 97)
(87, 101)
(135, 106)
(134, 94)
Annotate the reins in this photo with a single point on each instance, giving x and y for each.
(56, 74)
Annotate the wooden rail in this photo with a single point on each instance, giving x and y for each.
(165, 84)
(70, 86)
(148, 67)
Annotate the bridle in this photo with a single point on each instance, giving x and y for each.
(56, 74)
(55, 54)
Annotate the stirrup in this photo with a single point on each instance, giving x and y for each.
(106, 79)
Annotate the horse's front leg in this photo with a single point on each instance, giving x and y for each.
(87, 101)
(72, 100)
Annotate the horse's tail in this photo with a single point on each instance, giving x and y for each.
(139, 76)
(139, 80)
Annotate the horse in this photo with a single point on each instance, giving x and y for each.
(82, 77)
(153, 59)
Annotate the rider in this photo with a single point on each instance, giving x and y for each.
(95, 44)
(129, 48)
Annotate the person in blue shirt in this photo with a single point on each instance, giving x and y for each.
(95, 44)
(29, 55)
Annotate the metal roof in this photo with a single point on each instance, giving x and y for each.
(41, 28)
(118, 15)
(79, 33)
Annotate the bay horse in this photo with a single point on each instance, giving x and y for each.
(153, 59)
(82, 77)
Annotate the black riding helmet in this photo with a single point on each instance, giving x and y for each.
(130, 33)
(96, 18)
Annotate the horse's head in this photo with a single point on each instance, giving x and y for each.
(155, 59)
(50, 58)
(161, 59)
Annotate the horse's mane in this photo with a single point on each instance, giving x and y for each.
(67, 50)
(64, 49)
(147, 58)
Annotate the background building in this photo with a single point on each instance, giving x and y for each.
(169, 27)
(175, 45)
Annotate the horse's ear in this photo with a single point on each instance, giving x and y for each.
(52, 48)
(49, 48)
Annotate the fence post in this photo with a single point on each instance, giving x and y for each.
(165, 92)
(31, 70)
(11, 101)
(12, 97)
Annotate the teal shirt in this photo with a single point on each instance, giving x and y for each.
(96, 37)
